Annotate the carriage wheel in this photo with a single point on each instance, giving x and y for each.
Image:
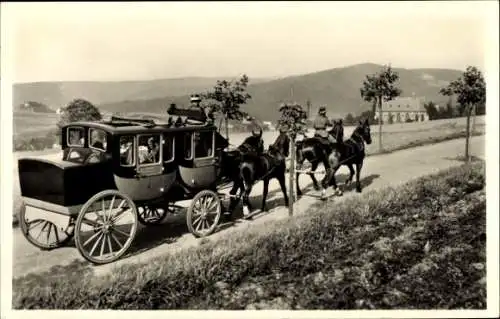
(153, 215)
(204, 213)
(106, 227)
(43, 233)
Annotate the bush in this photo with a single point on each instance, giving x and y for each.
(29, 143)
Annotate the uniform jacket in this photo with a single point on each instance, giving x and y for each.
(320, 124)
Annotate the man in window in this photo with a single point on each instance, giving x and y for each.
(126, 151)
(153, 151)
(97, 140)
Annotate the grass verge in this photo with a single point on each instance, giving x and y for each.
(417, 246)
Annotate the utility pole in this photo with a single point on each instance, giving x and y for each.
(292, 167)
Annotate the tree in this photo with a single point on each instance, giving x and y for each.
(79, 110)
(431, 110)
(293, 120)
(226, 97)
(470, 91)
(380, 87)
(349, 119)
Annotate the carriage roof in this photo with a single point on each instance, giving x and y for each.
(118, 127)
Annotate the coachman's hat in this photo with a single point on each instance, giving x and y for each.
(195, 98)
(322, 109)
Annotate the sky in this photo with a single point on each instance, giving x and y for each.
(141, 40)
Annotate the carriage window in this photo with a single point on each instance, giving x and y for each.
(204, 144)
(75, 136)
(188, 145)
(168, 148)
(97, 139)
(127, 154)
(149, 149)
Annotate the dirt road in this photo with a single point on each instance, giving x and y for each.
(378, 171)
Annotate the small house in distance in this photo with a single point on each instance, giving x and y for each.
(404, 109)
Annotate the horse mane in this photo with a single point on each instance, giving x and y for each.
(281, 144)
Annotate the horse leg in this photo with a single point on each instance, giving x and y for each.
(299, 191)
(351, 174)
(359, 166)
(247, 207)
(264, 194)
(281, 179)
(233, 201)
(314, 166)
(326, 180)
(334, 161)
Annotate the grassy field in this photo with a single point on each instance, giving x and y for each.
(417, 246)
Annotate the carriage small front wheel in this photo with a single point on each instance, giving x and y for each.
(106, 226)
(153, 215)
(204, 213)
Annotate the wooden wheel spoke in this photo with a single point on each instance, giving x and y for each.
(109, 244)
(42, 230)
(103, 243)
(90, 222)
(206, 224)
(196, 220)
(56, 233)
(96, 243)
(91, 238)
(103, 204)
(48, 232)
(121, 232)
(198, 225)
(36, 222)
(212, 206)
(118, 216)
(116, 240)
(111, 208)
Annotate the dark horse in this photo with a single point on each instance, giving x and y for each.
(266, 166)
(316, 151)
(231, 160)
(351, 152)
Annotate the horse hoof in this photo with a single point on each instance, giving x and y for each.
(358, 190)
(246, 211)
(339, 193)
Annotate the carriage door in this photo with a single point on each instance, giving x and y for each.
(142, 156)
(199, 150)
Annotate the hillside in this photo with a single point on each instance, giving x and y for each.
(338, 88)
(57, 94)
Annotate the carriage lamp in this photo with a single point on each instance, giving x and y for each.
(162, 189)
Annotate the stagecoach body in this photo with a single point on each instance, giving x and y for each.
(110, 169)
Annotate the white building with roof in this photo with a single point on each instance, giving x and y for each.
(402, 109)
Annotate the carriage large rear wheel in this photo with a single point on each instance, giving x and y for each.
(43, 233)
(204, 213)
(106, 226)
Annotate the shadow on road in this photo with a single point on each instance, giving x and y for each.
(149, 237)
(341, 178)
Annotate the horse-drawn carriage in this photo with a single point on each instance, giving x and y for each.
(114, 174)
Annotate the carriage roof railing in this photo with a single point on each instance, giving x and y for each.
(142, 122)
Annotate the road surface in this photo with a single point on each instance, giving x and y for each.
(378, 171)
